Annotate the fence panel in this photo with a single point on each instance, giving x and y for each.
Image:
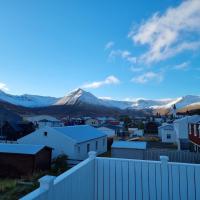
(148, 180)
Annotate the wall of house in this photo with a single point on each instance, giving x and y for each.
(168, 136)
(60, 143)
(15, 165)
(92, 122)
(82, 151)
(181, 129)
(127, 153)
(43, 159)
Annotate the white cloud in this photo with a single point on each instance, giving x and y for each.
(136, 69)
(167, 35)
(109, 45)
(126, 55)
(3, 87)
(148, 76)
(110, 80)
(181, 66)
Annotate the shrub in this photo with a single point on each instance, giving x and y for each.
(59, 165)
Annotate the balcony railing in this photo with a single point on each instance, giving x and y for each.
(122, 179)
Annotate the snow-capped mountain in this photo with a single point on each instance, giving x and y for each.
(82, 97)
(27, 100)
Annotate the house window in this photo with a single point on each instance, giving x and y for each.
(96, 145)
(45, 133)
(88, 147)
(104, 142)
(195, 130)
(168, 136)
(190, 129)
(79, 149)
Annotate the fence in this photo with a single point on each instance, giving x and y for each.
(122, 179)
(154, 154)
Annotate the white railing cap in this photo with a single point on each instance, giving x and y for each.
(92, 154)
(164, 158)
(46, 181)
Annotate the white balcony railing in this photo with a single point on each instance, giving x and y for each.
(122, 179)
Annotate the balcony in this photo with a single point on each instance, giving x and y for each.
(122, 179)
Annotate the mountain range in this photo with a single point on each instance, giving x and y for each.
(81, 97)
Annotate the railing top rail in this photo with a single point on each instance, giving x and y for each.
(125, 159)
(146, 161)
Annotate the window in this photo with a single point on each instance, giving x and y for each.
(45, 133)
(104, 142)
(168, 136)
(88, 147)
(190, 129)
(96, 145)
(195, 130)
(79, 149)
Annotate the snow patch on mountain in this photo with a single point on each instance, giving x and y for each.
(27, 100)
(80, 96)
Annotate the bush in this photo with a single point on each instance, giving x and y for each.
(59, 165)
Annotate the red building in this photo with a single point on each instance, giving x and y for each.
(194, 136)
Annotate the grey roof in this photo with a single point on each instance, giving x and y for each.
(21, 148)
(167, 127)
(129, 145)
(80, 133)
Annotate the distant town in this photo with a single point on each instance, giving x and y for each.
(43, 144)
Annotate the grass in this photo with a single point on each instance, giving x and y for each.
(13, 189)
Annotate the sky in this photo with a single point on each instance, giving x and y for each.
(120, 49)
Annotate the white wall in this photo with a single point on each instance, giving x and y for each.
(83, 153)
(92, 122)
(59, 142)
(164, 136)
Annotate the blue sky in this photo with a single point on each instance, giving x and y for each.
(119, 49)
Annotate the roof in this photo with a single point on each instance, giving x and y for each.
(21, 148)
(108, 131)
(41, 117)
(80, 133)
(189, 119)
(129, 145)
(167, 126)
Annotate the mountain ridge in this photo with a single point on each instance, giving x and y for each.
(79, 96)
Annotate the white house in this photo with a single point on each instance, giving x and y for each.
(108, 131)
(92, 122)
(181, 127)
(167, 133)
(44, 120)
(74, 141)
(135, 132)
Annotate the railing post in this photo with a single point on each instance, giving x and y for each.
(46, 183)
(165, 177)
(92, 154)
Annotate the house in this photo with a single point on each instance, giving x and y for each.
(74, 141)
(194, 136)
(123, 149)
(92, 122)
(44, 120)
(11, 131)
(23, 159)
(181, 129)
(135, 132)
(110, 135)
(167, 133)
